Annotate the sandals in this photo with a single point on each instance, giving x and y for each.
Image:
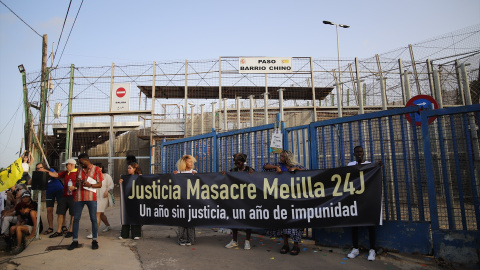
(64, 229)
(295, 250)
(48, 231)
(68, 234)
(284, 249)
(56, 234)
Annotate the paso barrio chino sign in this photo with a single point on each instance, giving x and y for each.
(265, 65)
(339, 197)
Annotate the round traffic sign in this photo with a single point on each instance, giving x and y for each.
(425, 103)
(121, 92)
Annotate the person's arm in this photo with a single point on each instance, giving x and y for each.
(296, 168)
(53, 174)
(272, 167)
(33, 215)
(31, 158)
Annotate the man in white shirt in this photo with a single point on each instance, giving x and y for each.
(359, 159)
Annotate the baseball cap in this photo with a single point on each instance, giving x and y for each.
(70, 161)
(26, 194)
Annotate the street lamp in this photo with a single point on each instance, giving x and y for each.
(21, 68)
(339, 88)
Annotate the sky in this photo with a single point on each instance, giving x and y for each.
(123, 31)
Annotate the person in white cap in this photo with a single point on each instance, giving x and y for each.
(66, 202)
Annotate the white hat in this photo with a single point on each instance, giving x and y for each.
(70, 161)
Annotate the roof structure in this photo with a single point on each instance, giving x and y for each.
(231, 92)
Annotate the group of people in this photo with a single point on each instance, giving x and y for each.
(91, 186)
(186, 235)
(88, 185)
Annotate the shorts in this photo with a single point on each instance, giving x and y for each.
(51, 198)
(30, 228)
(64, 204)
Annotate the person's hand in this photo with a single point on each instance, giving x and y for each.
(193, 172)
(105, 195)
(175, 172)
(71, 188)
(278, 169)
(250, 171)
(120, 181)
(292, 169)
(380, 163)
(223, 172)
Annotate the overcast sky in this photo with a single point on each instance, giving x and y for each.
(135, 31)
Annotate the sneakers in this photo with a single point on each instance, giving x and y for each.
(182, 242)
(106, 229)
(136, 238)
(371, 255)
(90, 236)
(232, 244)
(73, 245)
(354, 253)
(188, 243)
(247, 245)
(94, 244)
(121, 238)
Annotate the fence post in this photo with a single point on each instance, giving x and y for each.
(360, 91)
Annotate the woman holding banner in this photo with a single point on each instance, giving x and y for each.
(286, 164)
(136, 230)
(186, 235)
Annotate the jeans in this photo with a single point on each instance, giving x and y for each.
(92, 210)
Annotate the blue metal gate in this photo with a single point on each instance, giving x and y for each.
(430, 175)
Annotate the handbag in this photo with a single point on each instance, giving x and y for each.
(111, 199)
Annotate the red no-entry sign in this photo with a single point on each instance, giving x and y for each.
(121, 92)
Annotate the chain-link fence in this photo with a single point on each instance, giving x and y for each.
(191, 97)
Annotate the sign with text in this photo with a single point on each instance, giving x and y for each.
(120, 97)
(265, 65)
(339, 197)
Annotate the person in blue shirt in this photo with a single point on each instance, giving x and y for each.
(54, 193)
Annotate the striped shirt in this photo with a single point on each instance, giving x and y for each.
(83, 195)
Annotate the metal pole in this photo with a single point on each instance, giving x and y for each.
(251, 110)
(419, 91)
(225, 124)
(191, 119)
(237, 105)
(280, 102)
(201, 115)
(382, 84)
(314, 99)
(219, 91)
(430, 78)
(459, 82)
(265, 99)
(186, 96)
(438, 90)
(339, 86)
(360, 92)
(402, 85)
(213, 115)
(111, 140)
(68, 150)
(152, 120)
(408, 93)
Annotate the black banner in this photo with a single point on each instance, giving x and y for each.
(339, 197)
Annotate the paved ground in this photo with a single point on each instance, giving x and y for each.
(158, 250)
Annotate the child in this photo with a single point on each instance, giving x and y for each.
(186, 235)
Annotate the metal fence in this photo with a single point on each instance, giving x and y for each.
(172, 92)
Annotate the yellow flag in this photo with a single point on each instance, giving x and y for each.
(11, 175)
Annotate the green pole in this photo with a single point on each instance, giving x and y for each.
(68, 151)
